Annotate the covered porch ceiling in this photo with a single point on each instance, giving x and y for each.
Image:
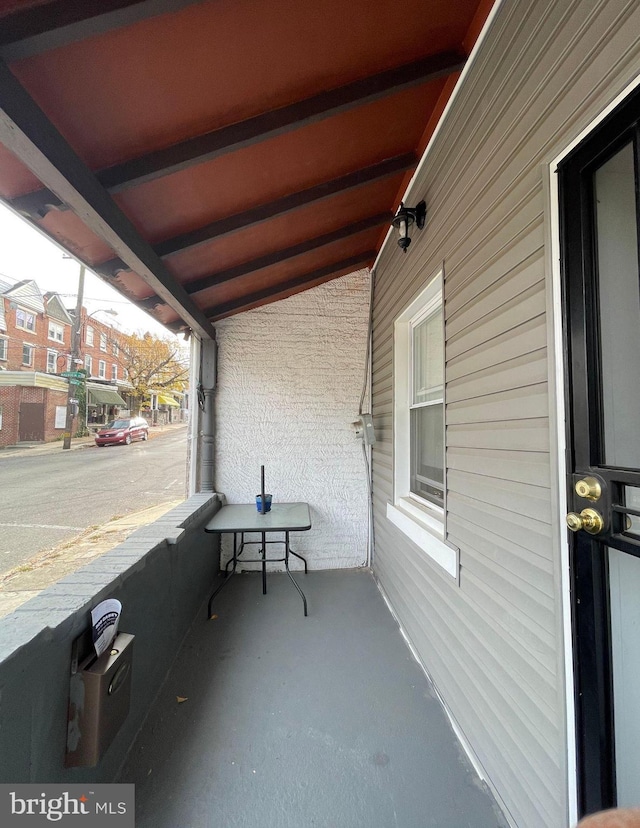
(209, 157)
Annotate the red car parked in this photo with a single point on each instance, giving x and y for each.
(123, 431)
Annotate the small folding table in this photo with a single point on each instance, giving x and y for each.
(243, 518)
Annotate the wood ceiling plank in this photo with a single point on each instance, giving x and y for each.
(27, 132)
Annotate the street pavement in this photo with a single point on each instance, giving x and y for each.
(25, 581)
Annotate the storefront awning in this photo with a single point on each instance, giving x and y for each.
(103, 396)
(165, 399)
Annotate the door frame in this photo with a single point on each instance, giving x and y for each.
(559, 418)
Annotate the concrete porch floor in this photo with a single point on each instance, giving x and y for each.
(293, 722)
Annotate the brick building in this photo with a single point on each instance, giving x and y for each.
(35, 349)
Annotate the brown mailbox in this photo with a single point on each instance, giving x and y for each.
(99, 696)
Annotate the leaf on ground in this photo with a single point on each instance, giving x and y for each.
(181, 699)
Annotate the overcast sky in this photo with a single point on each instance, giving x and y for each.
(27, 254)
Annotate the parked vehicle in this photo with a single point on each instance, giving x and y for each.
(123, 431)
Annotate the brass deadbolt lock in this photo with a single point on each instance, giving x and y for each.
(589, 488)
(588, 519)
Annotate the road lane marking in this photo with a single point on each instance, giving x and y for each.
(42, 526)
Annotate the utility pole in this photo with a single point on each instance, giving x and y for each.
(75, 355)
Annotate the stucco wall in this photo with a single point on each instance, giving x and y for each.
(290, 378)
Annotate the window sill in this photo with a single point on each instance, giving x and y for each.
(426, 532)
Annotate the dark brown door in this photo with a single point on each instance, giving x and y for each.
(600, 257)
(31, 427)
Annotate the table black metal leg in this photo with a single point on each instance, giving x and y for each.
(264, 563)
(227, 575)
(293, 580)
(304, 561)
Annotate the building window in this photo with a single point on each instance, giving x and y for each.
(426, 409)
(27, 354)
(88, 365)
(114, 348)
(418, 507)
(56, 331)
(3, 348)
(89, 335)
(103, 342)
(25, 320)
(52, 361)
(102, 369)
(114, 373)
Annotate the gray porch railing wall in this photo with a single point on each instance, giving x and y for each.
(494, 643)
(162, 574)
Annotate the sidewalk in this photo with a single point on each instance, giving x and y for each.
(33, 449)
(26, 581)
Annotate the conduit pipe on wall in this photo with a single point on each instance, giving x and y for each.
(206, 399)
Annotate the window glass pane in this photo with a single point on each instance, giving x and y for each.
(427, 452)
(427, 353)
(617, 240)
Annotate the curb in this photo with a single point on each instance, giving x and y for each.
(24, 582)
(76, 443)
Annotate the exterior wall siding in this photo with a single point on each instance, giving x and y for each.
(493, 643)
(290, 378)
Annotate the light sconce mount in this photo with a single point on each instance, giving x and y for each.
(404, 218)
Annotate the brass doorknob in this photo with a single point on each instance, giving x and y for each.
(588, 519)
(589, 488)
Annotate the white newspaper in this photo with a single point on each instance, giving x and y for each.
(104, 624)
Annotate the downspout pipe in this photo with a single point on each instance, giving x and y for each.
(206, 400)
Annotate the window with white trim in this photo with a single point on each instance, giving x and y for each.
(114, 372)
(102, 369)
(88, 365)
(4, 348)
(103, 342)
(25, 320)
(419, 428)
(89, 335)
(52, 362)
(56, 331)
(27, 354)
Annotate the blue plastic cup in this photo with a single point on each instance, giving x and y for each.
(267, 503)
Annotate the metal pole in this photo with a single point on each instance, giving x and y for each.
(75, 355)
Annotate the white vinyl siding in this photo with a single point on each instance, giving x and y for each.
(494, 643)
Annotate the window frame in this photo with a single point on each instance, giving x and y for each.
(102, 369)
(32, 349)
(88, 365)
(4, 348)
(88, 336)
(103, 341)
(27, 314)
(54, 354)
(57, 328)
(114, 372)
(421, 520)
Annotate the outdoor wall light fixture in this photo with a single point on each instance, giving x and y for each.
(404, 218)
